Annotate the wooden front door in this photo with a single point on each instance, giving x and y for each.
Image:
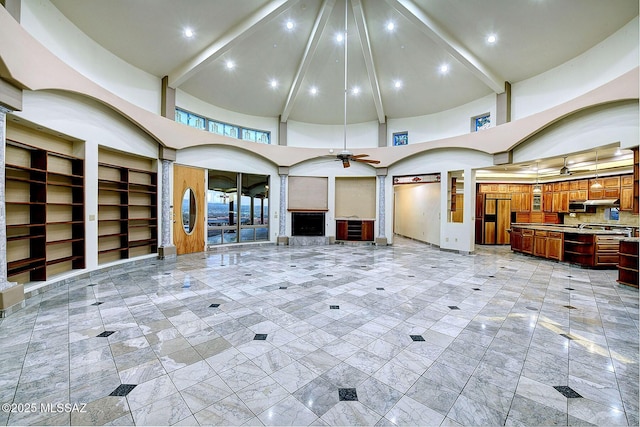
(189, 209)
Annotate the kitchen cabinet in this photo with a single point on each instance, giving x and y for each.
(606, 250)
(527, 241)
(555, 245)
(626, 193)
(540, 243)
(628, 262)
(579, 248)
(547, 202)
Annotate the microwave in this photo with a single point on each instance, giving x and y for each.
(577, 206)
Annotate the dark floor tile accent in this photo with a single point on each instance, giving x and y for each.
(411, 275)
(569, 275)
(105, 334)
(260, 337)
(476, 289)
(433, 266)
(567, 392)
(97, 303)
(214, 306)
(334, 307)
(570, 289)
(123, 390)
(531, 308)
(93, 284)
(379, 289)
(567, 336)
(292, 266)
(416, 337)
(348, 394)
(282, 287)
(167, 274)
(454, 307)
(492, 276)
(247, 274)
(329, 275)
(570, 307)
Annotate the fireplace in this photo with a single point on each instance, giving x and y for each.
(307, 223)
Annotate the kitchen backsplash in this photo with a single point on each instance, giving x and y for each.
(626, 218)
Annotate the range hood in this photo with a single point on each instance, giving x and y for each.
(603, 202)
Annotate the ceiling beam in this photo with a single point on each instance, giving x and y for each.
(445, 40)
(231, 38)
(363, 35)
(309, 51)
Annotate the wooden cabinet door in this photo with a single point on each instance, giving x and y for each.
(367, 231)
(564, 201)
(547, 202)
(527, 243)
(611, 193)
(342, 229)
(503, 221)
(556, 205)
(626, 199)
(554, 248)
(540, 246)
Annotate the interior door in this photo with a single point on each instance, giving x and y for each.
(503, 222)
(189, 209)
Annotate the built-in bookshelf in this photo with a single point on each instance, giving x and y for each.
(127, 209)
(44, 199)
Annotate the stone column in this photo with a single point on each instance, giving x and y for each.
(11, 293)
(381, 173)
(166, 248)
(282, 221)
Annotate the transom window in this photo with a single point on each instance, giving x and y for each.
(221, 128)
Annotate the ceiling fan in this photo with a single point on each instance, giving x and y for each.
(346, 156)
(564, 171)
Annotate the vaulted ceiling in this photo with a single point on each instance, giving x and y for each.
(532, 36)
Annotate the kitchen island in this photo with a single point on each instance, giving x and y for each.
(591, 246)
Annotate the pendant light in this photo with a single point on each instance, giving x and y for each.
(537, 188)
(596, 184)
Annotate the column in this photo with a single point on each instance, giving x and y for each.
(11, 293)
(166, 248)
(282, 220)
(381, 173)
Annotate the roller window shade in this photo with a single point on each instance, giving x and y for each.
(308, 193)
(356, 198)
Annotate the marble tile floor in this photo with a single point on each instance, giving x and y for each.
(403, 335)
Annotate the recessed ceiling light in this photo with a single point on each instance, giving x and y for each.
(391, 26)
(339, 37)
(188, 33)
(290, 25)
(397, 84)
(492, 38)
(314, 90)
(444, 68)
(274, 83)
(230, 65)
(355, 90)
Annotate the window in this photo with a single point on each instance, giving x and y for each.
(480, 122)
(234, 217)
(232, 131)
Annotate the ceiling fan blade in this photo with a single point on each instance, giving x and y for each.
(375, 162)
(345, 162)
(358, 156)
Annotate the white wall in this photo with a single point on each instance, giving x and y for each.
(52, 29)
(586, 130)
(416, 206)
(453, 122)
(609, 59)
(359, 135)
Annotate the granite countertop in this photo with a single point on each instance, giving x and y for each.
(569, 229)
(630, 239)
